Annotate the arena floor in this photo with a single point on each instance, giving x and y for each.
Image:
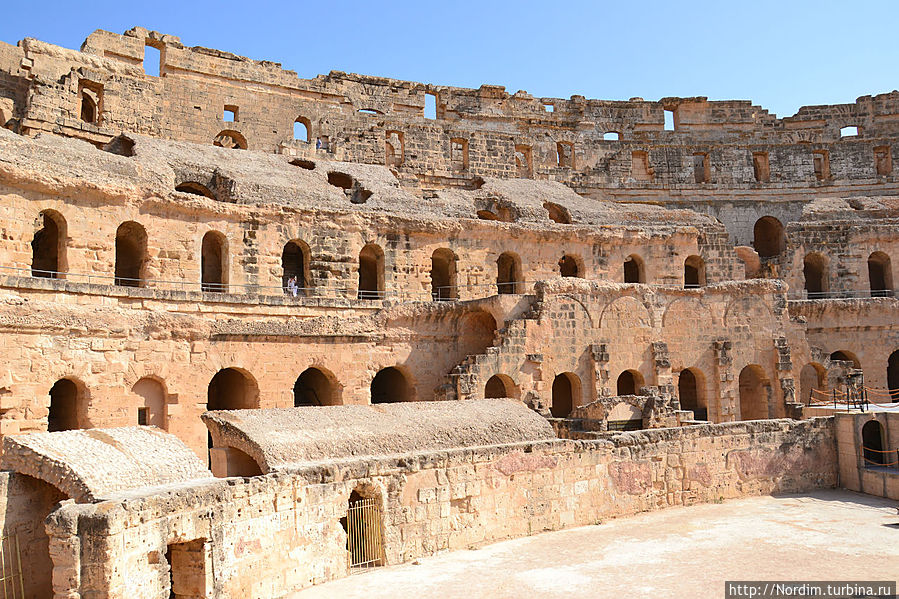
(681, 552)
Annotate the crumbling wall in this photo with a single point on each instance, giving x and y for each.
(270, 535)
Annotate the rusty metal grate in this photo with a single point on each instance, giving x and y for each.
(12, 583)
(364, 533)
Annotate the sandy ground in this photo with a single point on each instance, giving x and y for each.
(679, 552)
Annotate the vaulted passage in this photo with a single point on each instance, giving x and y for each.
(566, 389)
(873, 445)
(390, 386)
(314, 388)
(48, 248)
(768, 237)
(371, 273)
(295, 267)
(694, 272)
(880, 274)
(67, 409)
(569, 267)
(499, 386)
(232, 389)
(846, 356)
(443, 275)
(634, 269)
(812, 383)
(213, 263)
(815, 271)
(893, 375)
(130, 254)
(629, 383)
(508, 273)
(690, 393)
(755, 393)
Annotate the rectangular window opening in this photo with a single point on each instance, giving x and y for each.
(143, 416)
(230, 114)
(851, 131)
(701, 170)
(883, 161)
(152, 61)
(669, 120)
(549, 107)
(760, 167)
(430, 106)
(822, 165)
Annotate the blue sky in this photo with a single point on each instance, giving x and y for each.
(781, 55)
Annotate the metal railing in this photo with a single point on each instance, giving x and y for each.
(842, 294)
(364, 532)
(12, 582)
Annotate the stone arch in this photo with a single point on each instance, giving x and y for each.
(214, 262)
(557, 213)
(873, 443)
(694, 272)
(295, 259)
(756, 393)
(48, 247)
(629, 382)
(230, 139)
(501, 385)
(691, 392)
(748, 312)
(508, 273)
(152, 409)
(686, 311)
(371, 272)
(566, 394)
(391, 385)
(130, 254)
(364, 534)
(68, 405)
(880, 274)
(634, 269)
(443, 275)
(571, 265)
(302, 129)
(194, 188)
(232, 389)
(815, 273)
(812, 382)
(842, 355)
(316, 386)
(625, 315)
(768, 237)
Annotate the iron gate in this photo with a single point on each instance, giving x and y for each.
(12, 583)
(364, 533)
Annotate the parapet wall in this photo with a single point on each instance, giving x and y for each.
(269, 535)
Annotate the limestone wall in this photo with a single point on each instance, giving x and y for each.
(859, 469)
(266, 536)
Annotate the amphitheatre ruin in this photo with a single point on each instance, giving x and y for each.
(263, 331)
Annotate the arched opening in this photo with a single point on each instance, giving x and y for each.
(231, 140)
(634, 269)
(443, 275)
(295, 268)
(371, 273)
(194, 188)
(812, 383)
(873, 443)
(557, 213)
(845, 356)
(814, 269)
(130, 254)
(390, 386)
(893, 375)
(67, 406)
(499, 386)
(151, 409)
(629, 382)
(690, 387)
(755, 393)
(566, 394)
(232, 389)
(508, 273)
(364, 530)
(694, 272)
(48, 248)
(569, 266)
(314, 388)
(768, 237)
(880, 274)
(301, 129)
(214, 263)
